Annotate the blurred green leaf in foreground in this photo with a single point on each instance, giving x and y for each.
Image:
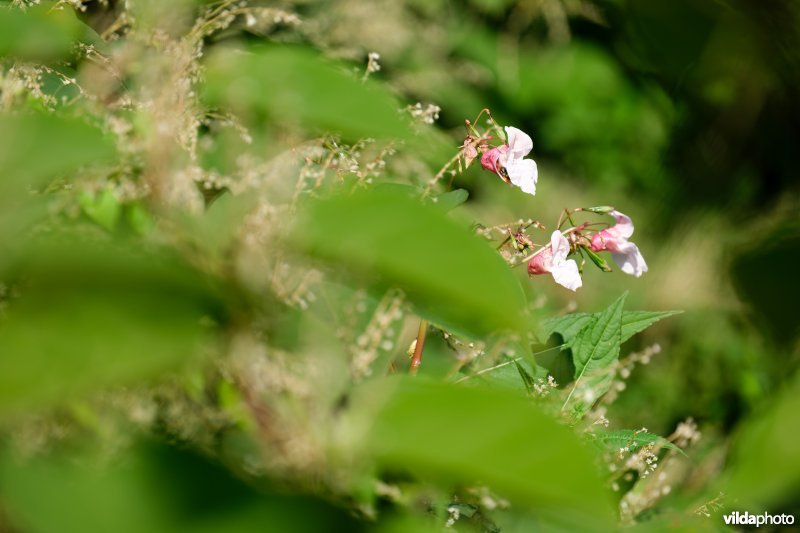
(297, 86)
(454, 278)
(474, 435)
(93, 315)
(41, 33)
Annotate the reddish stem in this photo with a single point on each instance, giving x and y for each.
(416, 359)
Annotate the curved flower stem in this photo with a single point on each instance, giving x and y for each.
(416, 359)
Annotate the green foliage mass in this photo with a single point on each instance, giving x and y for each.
(222, 236)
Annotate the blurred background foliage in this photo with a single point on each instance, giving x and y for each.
(174, 338)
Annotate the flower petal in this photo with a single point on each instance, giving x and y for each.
(541, 262)
(624, 226)
(567, 275)
(523, 173)
(560, 247)
(630, 260)
(519, 142)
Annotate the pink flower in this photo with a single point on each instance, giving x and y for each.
(615, 240)
(508, 161)
(553, 260)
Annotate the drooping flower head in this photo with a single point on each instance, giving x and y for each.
(615, 240)
(508, 161)
(553, 260)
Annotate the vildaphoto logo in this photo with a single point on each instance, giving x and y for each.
(743, 519)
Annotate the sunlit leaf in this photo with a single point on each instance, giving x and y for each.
(454, 278)
(634, 322)
(296, 85)
(35, 147)
(596, 346)
(452, 199)
(567, 326)
(103, 208)
(430, 431)
(37, 33)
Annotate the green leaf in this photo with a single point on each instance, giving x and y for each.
(39, 33)
(635, 321)
(103, 208)
(150, 488)
(36, 147)
(526, 377)
(466, 435)
(139, 218)
(89, 316)
(631, 439)
(600, 210)
(453, 278)
(596, 347)
(599, 262)
(509, 376)
(296, 85)
(764, 465)
(450, 200)
(567, 326)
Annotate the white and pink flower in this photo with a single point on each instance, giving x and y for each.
(553, 260)
(615, 240)
(508, 161)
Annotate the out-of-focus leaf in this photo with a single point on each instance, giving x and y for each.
(103, 208)
(139, 219)
(505, 376)
(151, 488)
(494, 7)
(91, 316)
(215, 229)
(295, 85)
(631, 439)
(452, 277)
(765, 458)
(36, 147)
(775, 249)
(430, 430)
(39, 33)
(450, 200)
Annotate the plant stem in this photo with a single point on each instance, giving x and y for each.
(438, 176)
(416, 359)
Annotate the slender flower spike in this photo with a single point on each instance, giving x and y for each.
(615, 240)
(508, 161)
(553, 260)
